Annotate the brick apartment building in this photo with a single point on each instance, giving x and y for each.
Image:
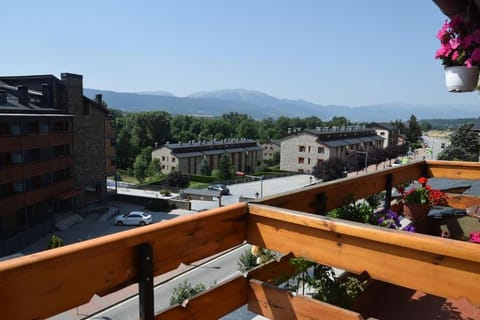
(302, 150)
(270, 148)
(53, 149)
(186, 157)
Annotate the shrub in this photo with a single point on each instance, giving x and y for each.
(55, 242)
(185, 291)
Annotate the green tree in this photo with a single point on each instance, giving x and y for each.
(185, 291)
(177, 179)
(454, 153)
(330, 169)
(204, 168)
(247, 129)
(465, 138)
(339, 122)
(154, 169)
(414, 132)
(142, 163)
(226, 167)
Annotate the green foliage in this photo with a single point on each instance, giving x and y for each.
(217, 174)
(142, 164)
(165, 192)
(204, 168)
(414, 132)
(247, 261)
(226, 168)
(55, 242)
(177, 179)
(326, 286)
(154, 168)
(330, 169)
(358, 211)
(201, 178)
(464, 145)
(185, 291)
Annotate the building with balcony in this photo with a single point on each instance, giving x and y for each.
(302, 150)
(52, 149)
(185, 157)
(387, 131)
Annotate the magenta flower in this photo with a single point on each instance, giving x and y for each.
(458, 42)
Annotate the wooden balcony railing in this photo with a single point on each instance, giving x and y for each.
(50, 282)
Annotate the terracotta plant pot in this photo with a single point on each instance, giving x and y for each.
(416, 212)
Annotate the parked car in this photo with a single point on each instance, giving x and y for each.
(396, 163)
(136, 218)
(219, 187)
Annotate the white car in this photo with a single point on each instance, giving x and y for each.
(136, 218)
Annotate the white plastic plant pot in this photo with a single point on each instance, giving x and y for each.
(461, 78)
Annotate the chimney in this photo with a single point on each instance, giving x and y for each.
(47, 95)
(23, 97)
(74, 90)
(98, 99)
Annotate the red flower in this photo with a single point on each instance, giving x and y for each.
(422, 181)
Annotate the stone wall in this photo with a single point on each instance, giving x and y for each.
(88, 140)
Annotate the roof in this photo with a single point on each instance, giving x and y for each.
(384, 125)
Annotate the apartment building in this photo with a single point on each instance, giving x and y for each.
(270, 148)
(245, 154)
(388, 131)
(52, 149)
(302, 150)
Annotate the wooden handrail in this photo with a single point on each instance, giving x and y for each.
(53, 281)
(56, 280)
(443, 267)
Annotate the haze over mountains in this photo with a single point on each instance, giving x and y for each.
(260, 105)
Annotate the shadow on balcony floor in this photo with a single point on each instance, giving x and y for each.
(386, 301)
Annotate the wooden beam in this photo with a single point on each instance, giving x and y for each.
(335, 193)
(461, 201)
(273, 271)
(56, 280)
(453, 169)
(439, 266)
(279, 304)
(211, 304)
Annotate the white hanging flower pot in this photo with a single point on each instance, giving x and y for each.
(461, 78)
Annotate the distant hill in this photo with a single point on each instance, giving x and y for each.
(260, 105)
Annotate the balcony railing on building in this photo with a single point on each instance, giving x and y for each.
(50, 282)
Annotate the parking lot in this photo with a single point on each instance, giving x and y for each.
(99, 224)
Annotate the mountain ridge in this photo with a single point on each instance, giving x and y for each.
(260, 105)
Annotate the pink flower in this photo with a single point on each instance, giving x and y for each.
(454, 43)
(474, 58)
(443, 51)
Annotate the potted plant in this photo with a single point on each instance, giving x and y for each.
(460, 54)
(418, 200)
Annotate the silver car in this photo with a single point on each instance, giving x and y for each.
(136, 218)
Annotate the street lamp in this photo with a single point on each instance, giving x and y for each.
(242, 174)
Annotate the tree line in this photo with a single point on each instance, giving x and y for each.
(140, 132)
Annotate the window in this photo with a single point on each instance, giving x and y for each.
(321, 150)
(301, 160)
(163, 158)
(308, 160)
(301, 148)
(173, 159)
(309, 148)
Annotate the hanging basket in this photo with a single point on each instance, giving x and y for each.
(416, 212)
(461, 78)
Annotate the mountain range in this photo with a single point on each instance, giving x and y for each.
(260, 105)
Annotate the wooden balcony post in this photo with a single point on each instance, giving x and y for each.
(145, 282)
(388, 191)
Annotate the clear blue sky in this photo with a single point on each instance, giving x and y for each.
(348, 52)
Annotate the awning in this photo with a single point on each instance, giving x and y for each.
(69, 194)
